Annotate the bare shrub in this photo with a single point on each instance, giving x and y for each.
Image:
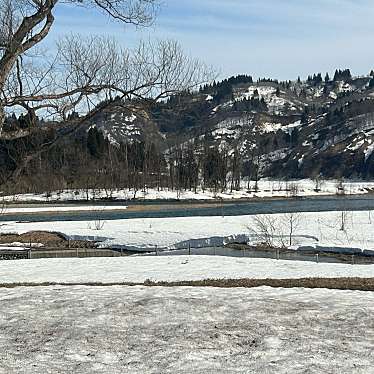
(99, 224)
(265, 228)
(276, 231)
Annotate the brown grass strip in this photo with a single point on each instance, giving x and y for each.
(359, 284)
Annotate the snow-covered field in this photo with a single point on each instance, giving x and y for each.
(140, 330)
(309, 229)
(138, 269)
(266, 188)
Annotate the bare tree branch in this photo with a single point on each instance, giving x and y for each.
(24, 24)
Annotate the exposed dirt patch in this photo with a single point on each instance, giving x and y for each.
(33, 237)
(48, 239)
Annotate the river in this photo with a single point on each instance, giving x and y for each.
(165, 209)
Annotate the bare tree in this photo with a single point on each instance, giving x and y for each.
(84, 71)
(344, 215)
(292, 189)
(291, 222)
(318, 184)
(24, 24)
(3, 206)
(340, 188)
(273, 230)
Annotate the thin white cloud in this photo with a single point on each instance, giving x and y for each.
(278, 38)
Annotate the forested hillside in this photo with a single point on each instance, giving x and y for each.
(228, 131)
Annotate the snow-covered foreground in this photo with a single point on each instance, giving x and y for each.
(141, 330)
(138, 269)
(266, 188)
(323, 229)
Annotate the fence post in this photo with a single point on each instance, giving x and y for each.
(77, 252)
(353, 259)
(189, 249)
(156, 250)
(317, 258)
(278, 254)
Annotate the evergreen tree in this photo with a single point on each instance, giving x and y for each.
(316, 79)
(304, 118)
(95, 142)
(342, 75)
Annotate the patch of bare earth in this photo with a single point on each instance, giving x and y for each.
(48, 239)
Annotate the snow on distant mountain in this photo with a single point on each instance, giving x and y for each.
(295, 128)
(121, 124)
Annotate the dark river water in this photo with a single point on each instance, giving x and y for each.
(186, 209)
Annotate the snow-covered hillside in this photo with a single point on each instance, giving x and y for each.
(121, 124)
(276, 103)
(314, 124)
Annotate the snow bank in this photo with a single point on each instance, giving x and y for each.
(311, 229)
(12, 248)
(169, 268)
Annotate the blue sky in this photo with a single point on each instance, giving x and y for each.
(272, 38)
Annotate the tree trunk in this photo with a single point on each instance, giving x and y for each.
(2, 119)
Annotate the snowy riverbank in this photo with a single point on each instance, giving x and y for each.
(265, 189)
(309, 229)
(55, 208)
